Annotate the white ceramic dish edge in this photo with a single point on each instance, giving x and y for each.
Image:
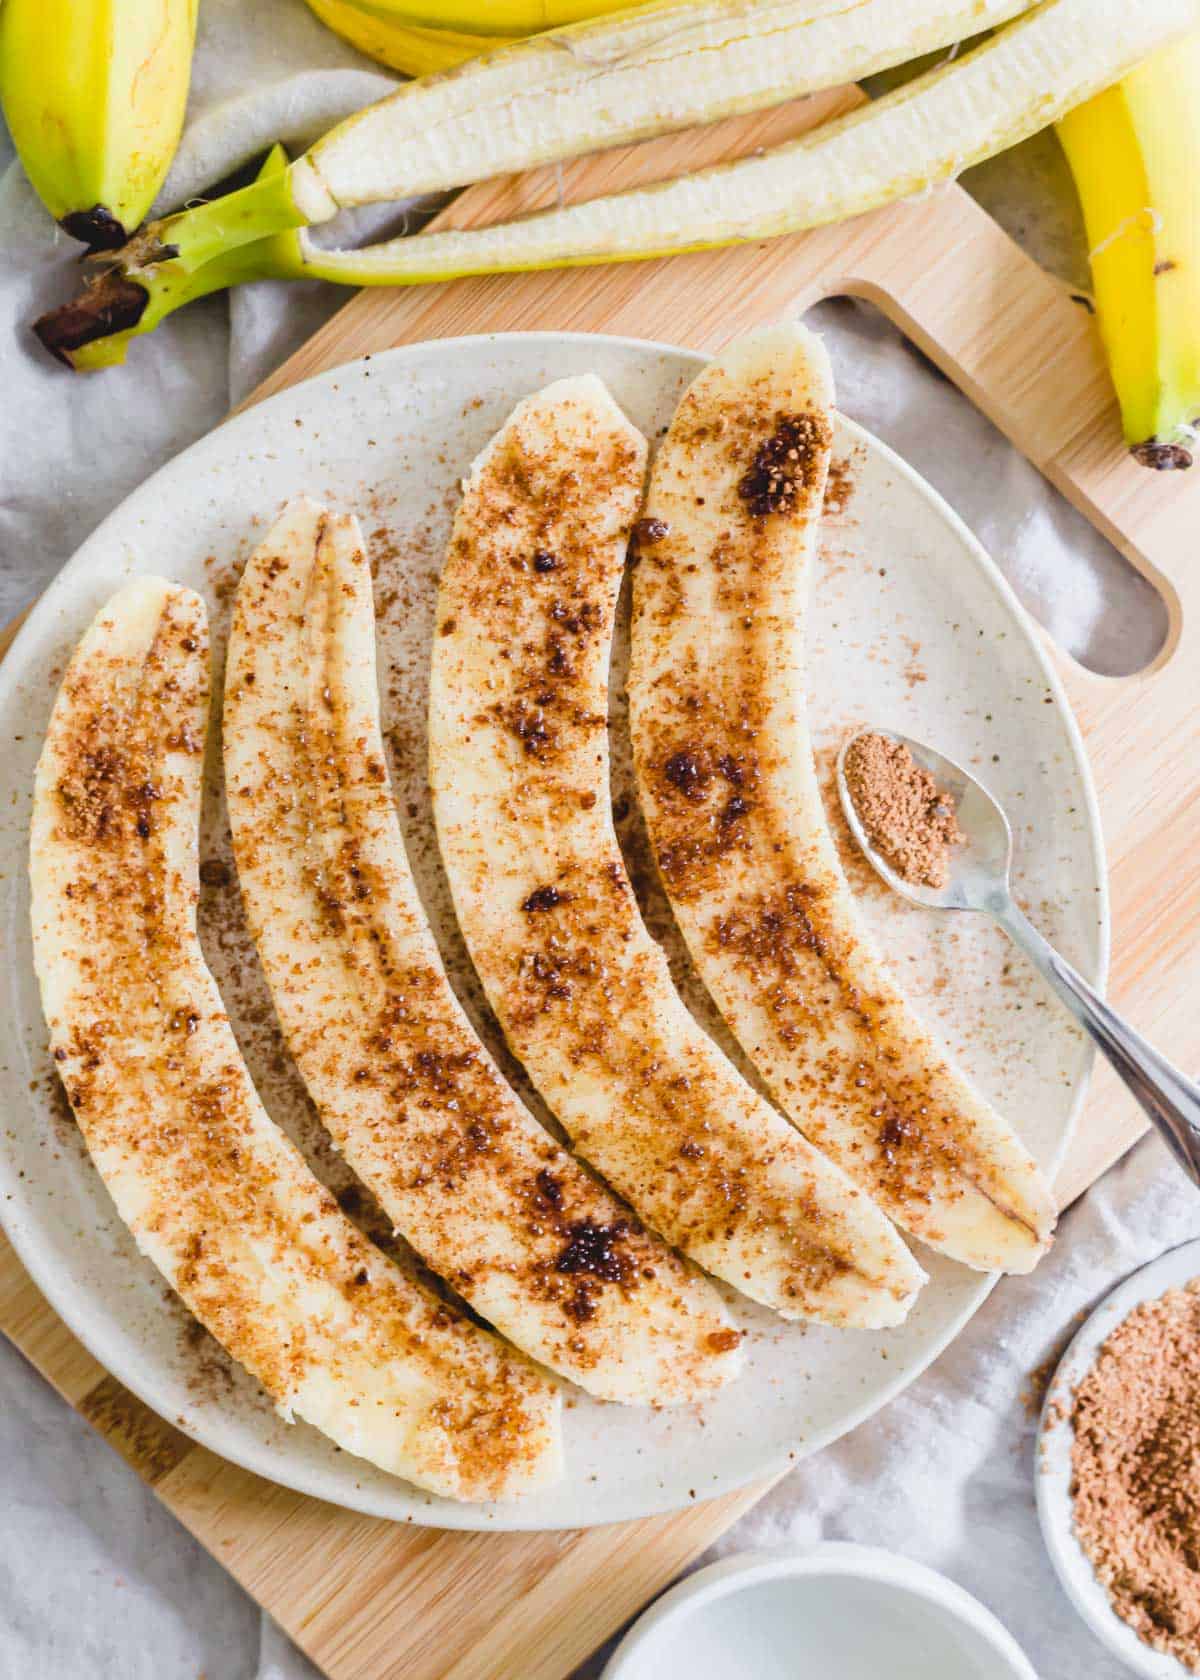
(733, 1575)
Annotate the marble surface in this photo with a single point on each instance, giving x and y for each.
(96, 1580)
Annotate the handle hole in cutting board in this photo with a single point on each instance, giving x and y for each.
(1069, 577)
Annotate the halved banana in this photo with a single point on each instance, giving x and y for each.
(519, 770)
(481, 1190)
(727, 782)
(213, 1192)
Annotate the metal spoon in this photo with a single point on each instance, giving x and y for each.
(979, 881)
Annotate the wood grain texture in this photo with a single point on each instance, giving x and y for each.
(370, 1600)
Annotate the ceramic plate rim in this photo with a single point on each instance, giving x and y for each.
(1052, 1463)
(91, 1332)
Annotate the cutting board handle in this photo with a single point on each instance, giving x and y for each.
(1027, 352)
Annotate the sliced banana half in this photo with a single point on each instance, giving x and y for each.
(407, 1090)
(727, 782)
(520, 774)
(213, 1192)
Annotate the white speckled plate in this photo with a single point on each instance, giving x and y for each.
(913, 627)
(1179, 1266)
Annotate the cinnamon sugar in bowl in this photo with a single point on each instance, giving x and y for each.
(1136, 1461)
(1119, 1468)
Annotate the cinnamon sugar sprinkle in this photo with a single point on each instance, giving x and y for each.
(1135, 1460)
(908, 819)
(577, 980)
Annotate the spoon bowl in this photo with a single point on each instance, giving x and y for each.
(978, 880)
(979, 868)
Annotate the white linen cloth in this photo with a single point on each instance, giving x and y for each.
(97, 1581)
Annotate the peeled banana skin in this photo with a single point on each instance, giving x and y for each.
(94, 93)
(1134, 151)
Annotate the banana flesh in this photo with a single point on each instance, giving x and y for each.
(213, 1192)
(94, 94)
(727, 783)
(519, 776)
(1134, 151)
(408, 1092)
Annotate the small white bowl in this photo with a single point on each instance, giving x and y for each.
(850, 1612)
(1053, 1463)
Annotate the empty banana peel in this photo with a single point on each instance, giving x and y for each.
(573, 90)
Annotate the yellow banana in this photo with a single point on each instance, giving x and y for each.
(500, 17)
(1134, 151)
(94, 94)
(414, 49)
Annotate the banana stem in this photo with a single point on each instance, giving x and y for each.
(175, 260)
(205, 232)
(95, 331)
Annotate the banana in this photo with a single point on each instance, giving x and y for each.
(519, 776)
(213, 1192)
(1134, 151)
(94, 92)
(727, 783)
(502, 17)
(408, 1092)
(390, 39)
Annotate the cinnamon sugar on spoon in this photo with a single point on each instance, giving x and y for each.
(909, 820)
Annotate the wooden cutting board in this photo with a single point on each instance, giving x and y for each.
(369, 1600)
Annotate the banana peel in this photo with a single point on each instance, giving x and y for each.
(1134, 152)
(559, 94)
(926, 132)
(422, 39)
(527, 109)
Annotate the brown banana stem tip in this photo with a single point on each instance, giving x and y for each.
(1162, 457)
(98, 228)
(109, 304)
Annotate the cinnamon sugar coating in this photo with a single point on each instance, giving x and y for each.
(485, 1195)
(520, 776)
(212, 1191)
(733, 810)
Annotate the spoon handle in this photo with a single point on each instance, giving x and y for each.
(1170, 1099)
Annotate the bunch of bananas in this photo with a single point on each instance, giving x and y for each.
(94, 94)
(423, 36)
